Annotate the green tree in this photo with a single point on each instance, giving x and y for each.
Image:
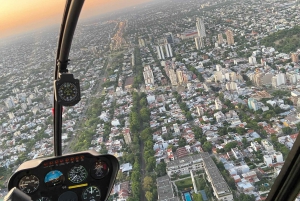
(135, 176)
(207, 146)
(287, 130)
(181, 142)
(245, 142)
(230, 145)
(145, 114)
(146, 134)
(149, 196)
(161, 169)
(150, 164)
(189, 116)
(143, 102)
(221, 97)
(147, 183)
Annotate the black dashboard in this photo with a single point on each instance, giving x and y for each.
(86, 176)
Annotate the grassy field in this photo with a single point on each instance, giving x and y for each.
(185, 184)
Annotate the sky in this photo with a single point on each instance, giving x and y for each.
(18, 16)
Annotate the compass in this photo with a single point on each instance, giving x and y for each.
(67, 90)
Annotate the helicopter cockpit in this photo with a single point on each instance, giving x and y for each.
(86, 176)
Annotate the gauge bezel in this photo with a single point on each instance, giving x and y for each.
(61, 181)
(62, 93)
(82, 168)
(86, 190)
(35, 188)
(92, 173)
(67, 79)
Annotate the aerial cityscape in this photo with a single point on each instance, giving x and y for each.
(199, 100)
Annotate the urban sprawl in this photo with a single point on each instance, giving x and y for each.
(199, 100)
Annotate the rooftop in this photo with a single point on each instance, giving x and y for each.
(165, 190)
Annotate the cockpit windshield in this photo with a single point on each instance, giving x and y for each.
(198, 99)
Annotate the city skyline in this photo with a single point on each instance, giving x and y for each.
(191, 108)
(17, 17)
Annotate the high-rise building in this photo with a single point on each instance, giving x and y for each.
(218, 67)
(200, 28)
(278, 80)
(11, 115)
(291, 78)
(179, 76)
(231, 86)
(127, 137)
(199, 43)
(253, 104)
(219, 76)
(230, 39)
(168, 50)
(148, 75)
(220, 39)
(9, 103)
(132, 60)
(142, 42)
(252, 60)
(173, 77)
(218, 104)
(257, 78)
(160, 52)
(168, 37)
(295, 57)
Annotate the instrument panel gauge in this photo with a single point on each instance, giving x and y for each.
(77, 174)
(54, 178)
(29, 184)
(99, 170)
(91, 193)
(68, 92)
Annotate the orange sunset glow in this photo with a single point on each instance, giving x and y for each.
(17, 16)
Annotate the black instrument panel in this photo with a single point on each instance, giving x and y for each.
(85, 176)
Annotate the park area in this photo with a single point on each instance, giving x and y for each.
(185, 184)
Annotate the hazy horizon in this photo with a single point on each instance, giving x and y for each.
(25, 16)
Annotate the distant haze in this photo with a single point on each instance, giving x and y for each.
(17, 16)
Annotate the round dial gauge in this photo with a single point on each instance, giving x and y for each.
(91, 193)
(67, 91)
(99, 170)
(29, 184)
(54, 178)
(77, 174)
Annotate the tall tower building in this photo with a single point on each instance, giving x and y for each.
(199, 41)
(295, 57)
(179, 76)
(253, 104)
(230, 39)
(220, 39)
(168, 50)
(173, 77)
(168, 37)
(252, 60)
(142, 42)
(218, 104)
(200, 28)
(160, 52)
